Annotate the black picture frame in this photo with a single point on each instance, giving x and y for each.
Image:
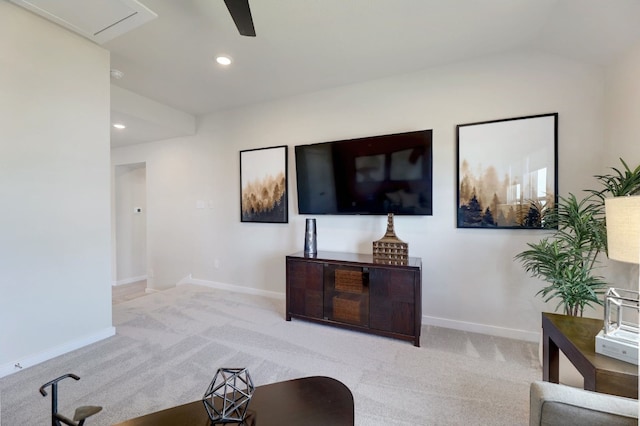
(507, 172)
(264, 185)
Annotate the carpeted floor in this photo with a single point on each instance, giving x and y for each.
(169, 345)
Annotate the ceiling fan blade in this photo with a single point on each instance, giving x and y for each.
(241, 14)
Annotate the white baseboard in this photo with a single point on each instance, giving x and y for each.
(129, 280)
(509, 333)
(31, 360)
(491, 330)
(230, 287)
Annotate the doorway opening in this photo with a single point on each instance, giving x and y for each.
(130, 212)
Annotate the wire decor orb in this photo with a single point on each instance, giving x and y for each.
(228, 395)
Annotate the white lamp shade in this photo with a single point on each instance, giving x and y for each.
(622, 216)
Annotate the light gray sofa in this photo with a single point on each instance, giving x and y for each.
(554, 404)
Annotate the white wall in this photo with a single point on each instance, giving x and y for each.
(469, 278)
(131, 224)
(54, 187)
(622, 138)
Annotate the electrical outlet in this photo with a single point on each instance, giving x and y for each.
(216, 263)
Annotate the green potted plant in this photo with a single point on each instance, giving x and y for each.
(568, 259)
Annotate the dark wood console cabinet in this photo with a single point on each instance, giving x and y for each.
(352, 291)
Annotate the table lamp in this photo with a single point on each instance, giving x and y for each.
(622, 215)
(619, 338)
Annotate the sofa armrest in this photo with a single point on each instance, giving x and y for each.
(555, 404)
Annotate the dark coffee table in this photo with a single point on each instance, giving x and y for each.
(310, 401)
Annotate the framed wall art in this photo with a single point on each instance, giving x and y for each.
(263, 185)
(507, 172)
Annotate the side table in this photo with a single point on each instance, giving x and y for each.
(575, 337)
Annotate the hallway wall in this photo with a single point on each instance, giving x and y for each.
(55, 293)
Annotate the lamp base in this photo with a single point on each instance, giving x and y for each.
(618, 349)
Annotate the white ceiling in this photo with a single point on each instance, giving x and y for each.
(309, 45)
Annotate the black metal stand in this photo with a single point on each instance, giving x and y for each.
(58, 419)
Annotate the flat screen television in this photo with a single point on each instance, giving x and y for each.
(369, 176)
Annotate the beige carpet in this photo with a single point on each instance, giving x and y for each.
(169, 344)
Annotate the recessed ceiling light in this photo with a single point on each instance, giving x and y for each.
(223, 60)
(119, 126)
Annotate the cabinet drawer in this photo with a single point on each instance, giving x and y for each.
(346, 294)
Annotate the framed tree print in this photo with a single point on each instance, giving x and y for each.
(263, 185)
(507, 172)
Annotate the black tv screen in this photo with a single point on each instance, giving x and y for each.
(371, 175)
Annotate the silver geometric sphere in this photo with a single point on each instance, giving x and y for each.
(228, 395)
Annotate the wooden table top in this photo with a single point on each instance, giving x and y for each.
(356, 258)
(309, 401)
(581, 332)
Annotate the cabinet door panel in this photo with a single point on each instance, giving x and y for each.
(305, 288)
(392, 303)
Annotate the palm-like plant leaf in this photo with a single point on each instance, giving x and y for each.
(621, 183)
(568, 260)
